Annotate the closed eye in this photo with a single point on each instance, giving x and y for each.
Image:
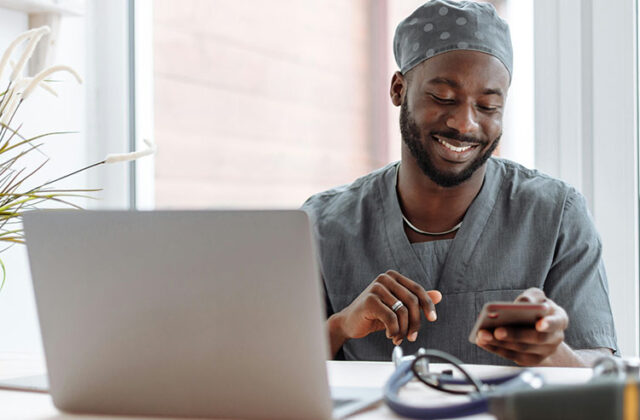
(442, 100)
(488, 108)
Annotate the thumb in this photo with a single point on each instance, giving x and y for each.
(435, 296)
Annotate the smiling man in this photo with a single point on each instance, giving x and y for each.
(411, 252)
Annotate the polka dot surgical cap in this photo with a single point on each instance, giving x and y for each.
(440, 26)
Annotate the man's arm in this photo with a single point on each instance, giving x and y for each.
(336, 336)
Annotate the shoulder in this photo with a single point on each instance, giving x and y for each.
(532, 187)
(346, 199)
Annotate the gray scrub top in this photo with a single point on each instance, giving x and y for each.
(524, 229)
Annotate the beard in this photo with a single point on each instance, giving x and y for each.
(414, 141)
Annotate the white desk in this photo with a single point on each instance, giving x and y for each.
(33, 406)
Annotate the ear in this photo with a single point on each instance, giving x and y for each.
(398, 88)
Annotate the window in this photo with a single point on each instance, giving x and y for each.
(252, 114)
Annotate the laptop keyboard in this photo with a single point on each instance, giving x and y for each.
(337, 403)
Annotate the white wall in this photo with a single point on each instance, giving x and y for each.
(43, 113)
(586, 130)
(612, 158)
(517, 141)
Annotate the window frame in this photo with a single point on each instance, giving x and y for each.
(110, 121)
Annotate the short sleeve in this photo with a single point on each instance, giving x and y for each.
(327, 302)
(577, 280)
(308, 208)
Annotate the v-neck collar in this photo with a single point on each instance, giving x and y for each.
(464, 243)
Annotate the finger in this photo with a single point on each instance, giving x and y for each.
(557, 320)
(385, 315)
(385, 290)
(524, 335)
(522, 347)
(424, 299)
(435, 296)
(533, 349)
(537, 348)
(484, 336)
(409, 314)
(533, 295)
(523, 359)
(485, 340)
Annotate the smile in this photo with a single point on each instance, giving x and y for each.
(452, 147)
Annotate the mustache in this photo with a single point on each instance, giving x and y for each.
(454, 135)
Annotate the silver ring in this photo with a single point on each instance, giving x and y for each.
(397, 306)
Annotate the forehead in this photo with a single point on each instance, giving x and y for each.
(467, 69)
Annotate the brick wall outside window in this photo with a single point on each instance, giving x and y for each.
(263, 103)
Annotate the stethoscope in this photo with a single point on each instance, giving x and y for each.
(480, 392)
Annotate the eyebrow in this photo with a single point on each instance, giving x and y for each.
(455, 85)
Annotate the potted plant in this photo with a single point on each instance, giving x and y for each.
(15, 196)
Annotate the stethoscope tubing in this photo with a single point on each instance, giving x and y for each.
(402, 376)
(488, 381)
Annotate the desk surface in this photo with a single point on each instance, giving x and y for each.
(33, 406)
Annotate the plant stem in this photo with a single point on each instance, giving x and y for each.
(65, 176)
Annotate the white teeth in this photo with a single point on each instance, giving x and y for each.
(452, 147)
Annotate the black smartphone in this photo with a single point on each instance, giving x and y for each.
(500, 314)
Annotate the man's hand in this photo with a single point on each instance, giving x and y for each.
(371, 311)
(530, 346)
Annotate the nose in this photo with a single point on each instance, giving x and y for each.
(462, 118)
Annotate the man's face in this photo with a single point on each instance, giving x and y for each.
(451, 115)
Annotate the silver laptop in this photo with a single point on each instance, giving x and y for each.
(183, 313)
